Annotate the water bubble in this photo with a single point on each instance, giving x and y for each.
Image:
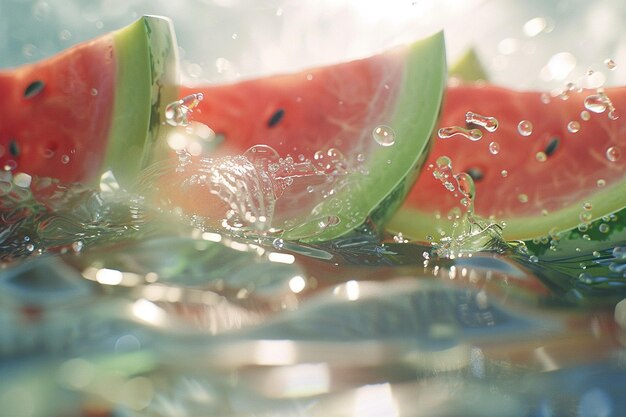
(610, 64)
(583, 227)
(534, 259)
(504, 173)
(329, 222)
(613, 115)
(587, 206)
(604, 228)
(65, 159)
(525, 128)
(619, 252)
(573, 126)
(384, 135)
(471, 134)
(541, 156)
(360, 157)
(584, 115)
(545, 98)
(585, 216)
(489, 123)
(94, 92)
(65, 35)
(523, 198)
(601, 182)
(613, 153)
(596, 103)
(310, 189)
(444, 162)
(494, 148)
(177, 112)
(278, 243)
(40, 10)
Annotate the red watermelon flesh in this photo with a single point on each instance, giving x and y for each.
(94, 107)
(328, 117)
(550, 173)
(55, 115)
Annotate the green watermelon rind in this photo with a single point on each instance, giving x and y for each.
(609, 199)
(147, 80)
(378, 195)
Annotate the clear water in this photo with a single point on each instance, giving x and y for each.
(113, 305)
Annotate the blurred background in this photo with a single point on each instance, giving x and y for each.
(523, 44)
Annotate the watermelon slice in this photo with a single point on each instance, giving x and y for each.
(566, 173)
(347, 139)
(91, 108)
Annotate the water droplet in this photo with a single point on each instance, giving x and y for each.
(525, 128)
(585, 216)
(523, 198)
(471, 134)
(177, 112)
(604, 228)
(601, 182)
(10, 165)
(584, 115)
(587, 206)
(583, 227)
(573, 126)
(613, 153)
(494, 148)
(384, 135)
(534, 259)
(22, 179)
(613, 115)
(541, 156)
(94, 92)
(489, 123)
(77, 246)
(545, 98)
(596, 103)
(610, 64)
(278, 243)
(309, 77)
(65, 159)
(360, 157)
(310, 189)
(504, 173)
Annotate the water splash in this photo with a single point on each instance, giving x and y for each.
(248, 184)
(177, 113)
(470, 233)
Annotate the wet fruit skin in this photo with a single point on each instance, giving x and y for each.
(548, 171)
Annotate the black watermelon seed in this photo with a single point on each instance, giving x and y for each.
(552, 145)
(276, 118)
(475, 173)
(14, 148)
(34, 88)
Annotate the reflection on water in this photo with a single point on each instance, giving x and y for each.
(199, 323)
